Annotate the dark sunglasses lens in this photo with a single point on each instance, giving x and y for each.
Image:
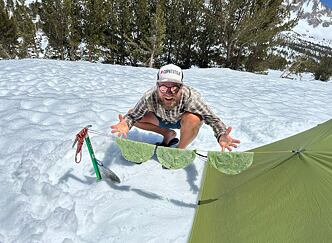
(175, 89)
(164, 89)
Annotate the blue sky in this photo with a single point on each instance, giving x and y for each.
(327, 3)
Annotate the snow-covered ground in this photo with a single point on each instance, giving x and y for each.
(47, 197)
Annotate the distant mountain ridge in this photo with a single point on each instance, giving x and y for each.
(313, 11)
(312, 36)
(315, 20)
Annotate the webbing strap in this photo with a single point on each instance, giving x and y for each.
(80, 140)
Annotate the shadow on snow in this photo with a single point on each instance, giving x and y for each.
(113, 156)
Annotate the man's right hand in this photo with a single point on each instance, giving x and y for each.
(121, 128)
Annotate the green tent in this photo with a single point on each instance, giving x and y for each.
(285, 196)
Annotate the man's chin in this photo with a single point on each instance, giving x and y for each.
(169, 105)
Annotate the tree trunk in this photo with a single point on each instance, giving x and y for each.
(151, 61)
(229, 56)
(238, 58)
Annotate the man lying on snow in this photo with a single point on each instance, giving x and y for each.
(173, 105)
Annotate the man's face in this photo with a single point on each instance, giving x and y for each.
(169, 94)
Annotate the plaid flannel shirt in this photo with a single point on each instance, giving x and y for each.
(190, 101)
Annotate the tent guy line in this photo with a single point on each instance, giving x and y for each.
(93, 131)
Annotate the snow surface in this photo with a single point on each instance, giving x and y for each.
(47, 197)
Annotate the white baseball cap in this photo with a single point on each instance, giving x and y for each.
(170, 73)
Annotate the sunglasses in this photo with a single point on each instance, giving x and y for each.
(172, 89)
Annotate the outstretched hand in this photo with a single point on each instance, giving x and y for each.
(121, 129)
(226, 141)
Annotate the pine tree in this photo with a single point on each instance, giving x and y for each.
(10, 6)
(140, 25)
(94, 26)
(36, 9)
(8, 33)
(154, 43)
(206, 37)
(173, 31)
(26, 29)
(125, 20)
(182, 24)
(261, 35)
(111, 32)
(142, 10)
(248, 28)
(150, 40)
(55, 21)
(323, 70)
(191, 18)
(74, 27)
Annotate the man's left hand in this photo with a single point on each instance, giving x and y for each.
(226, 141)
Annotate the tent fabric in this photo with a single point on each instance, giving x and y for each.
(285, 196)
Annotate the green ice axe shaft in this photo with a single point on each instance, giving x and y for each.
(93, 158)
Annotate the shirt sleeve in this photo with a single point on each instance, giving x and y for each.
(137, 112)
(198, 106)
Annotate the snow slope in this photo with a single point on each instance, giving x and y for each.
(46, 197)
(318, 35)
